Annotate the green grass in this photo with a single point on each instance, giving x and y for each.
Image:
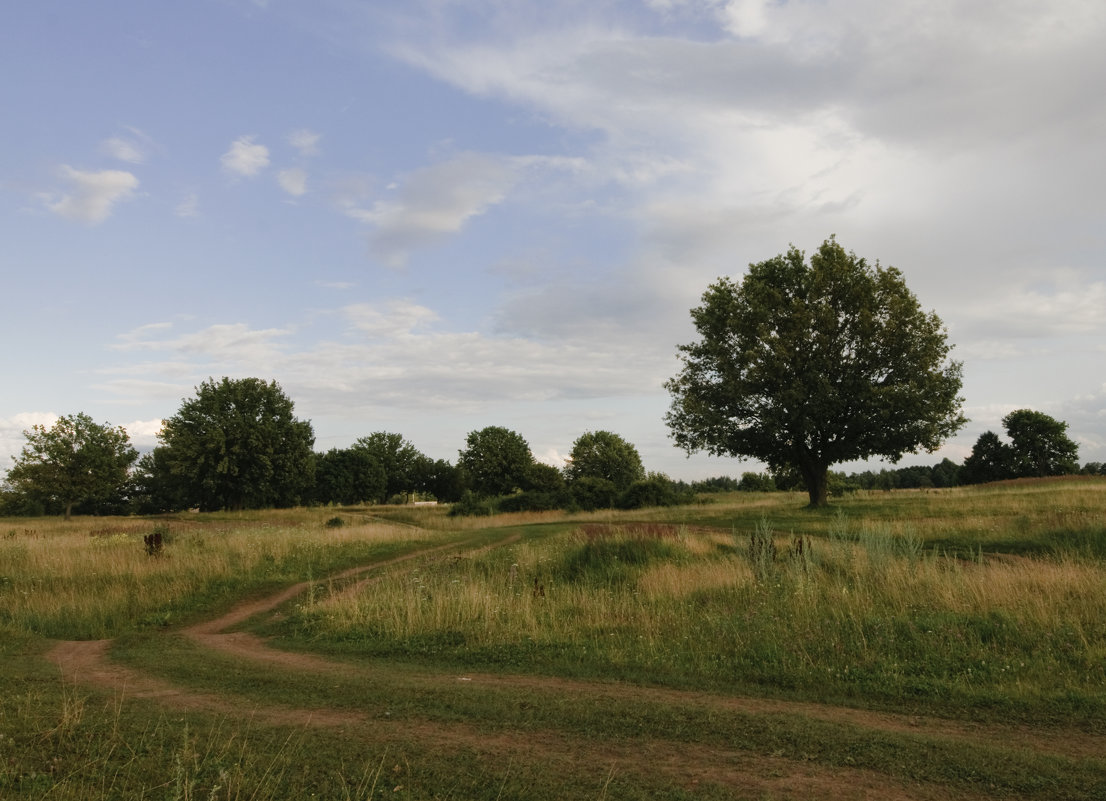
(406, 692)
(871, 619)
(92, 578)
(597, 646)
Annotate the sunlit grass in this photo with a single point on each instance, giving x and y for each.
(93, 577)
(866, 609)
(985, 603)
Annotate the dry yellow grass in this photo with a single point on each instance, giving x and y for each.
(96, 573)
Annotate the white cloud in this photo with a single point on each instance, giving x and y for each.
(224, 342)
(433, 202)
(140, 337)
(131, 150)
(11, 434)
(398, 318)
(746, 17)
(93, 194)
(393, 355)
(305, 141)
(1061, 305)
(245, 158)
(143, 433)
(189, 206)
(552, 457)
(293, 181)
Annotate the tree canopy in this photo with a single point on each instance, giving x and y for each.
(238, 445)
(991, 459)
(1039, 446)
(496, 461)
(74, 460)
(601, 454)
(347, 476)
(805, 366)
(403, 464)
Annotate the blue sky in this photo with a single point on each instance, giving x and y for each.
(431, 216)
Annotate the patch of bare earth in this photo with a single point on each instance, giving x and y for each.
(686, 765)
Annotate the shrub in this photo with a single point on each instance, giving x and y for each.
(612, 559)
(657, 490)
(533, 501)
(471, 506)
(591, 493)
(756, 482)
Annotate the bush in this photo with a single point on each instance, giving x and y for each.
(17, 504)
(657, 490)
(717, 484)
(471, 505)
(757, 482)
(533, 501)
(591, 493)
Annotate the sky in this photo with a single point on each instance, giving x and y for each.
(432, 216)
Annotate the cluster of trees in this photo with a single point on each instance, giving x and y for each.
(799, 365)
(1038, 447)
(237, 444)
(603, 471)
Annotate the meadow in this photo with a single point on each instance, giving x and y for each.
(897, 645)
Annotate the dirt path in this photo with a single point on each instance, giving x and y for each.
(687, 765)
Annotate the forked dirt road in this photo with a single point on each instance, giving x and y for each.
(746, 774)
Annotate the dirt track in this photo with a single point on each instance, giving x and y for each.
(687, 765)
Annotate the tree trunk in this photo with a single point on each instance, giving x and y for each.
(816, 479)
(68, 509)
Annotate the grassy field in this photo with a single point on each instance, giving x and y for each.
(932, 644)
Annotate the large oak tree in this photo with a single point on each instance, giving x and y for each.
(803, 366)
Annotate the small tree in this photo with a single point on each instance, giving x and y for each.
(156, 488)
(945, 473)
(402, 462)
(74, 460)
(347, 476)
(496, 461)
(1040, 445)
(439, 478)
(601, 454)
(238, 445)
(991, 459)
(805, 366)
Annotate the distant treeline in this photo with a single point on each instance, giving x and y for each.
(238, 445)
(945, 473)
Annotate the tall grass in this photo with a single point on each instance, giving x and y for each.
(93, 578)
(866, 613)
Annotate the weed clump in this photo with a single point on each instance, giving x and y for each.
(762, 550)
(610, 555)
(155, 540)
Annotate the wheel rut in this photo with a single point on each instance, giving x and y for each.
(688, 765)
